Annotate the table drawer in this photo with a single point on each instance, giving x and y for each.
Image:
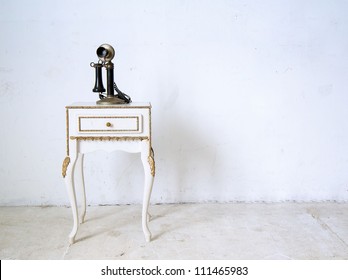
(127, 124)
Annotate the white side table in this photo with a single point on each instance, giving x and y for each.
(91, 127)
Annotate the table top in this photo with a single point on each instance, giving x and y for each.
(93, 105)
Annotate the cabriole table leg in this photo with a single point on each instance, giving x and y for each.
(68, 173)
(81, 183)
(148, 161)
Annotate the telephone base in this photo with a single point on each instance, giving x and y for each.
(110, 100)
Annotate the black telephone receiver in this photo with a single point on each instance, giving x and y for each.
(105, 54)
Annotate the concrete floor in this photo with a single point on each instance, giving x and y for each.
(180, 231)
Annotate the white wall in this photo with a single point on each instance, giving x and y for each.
(249, 97)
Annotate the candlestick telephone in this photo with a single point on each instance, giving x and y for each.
(105, 54)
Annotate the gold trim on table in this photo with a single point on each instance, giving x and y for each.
(67, 131)
(108, 117)
(107, 107)
(109, 138)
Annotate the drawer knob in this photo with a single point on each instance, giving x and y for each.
(108, 124)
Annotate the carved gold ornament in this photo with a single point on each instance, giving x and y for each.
(65, 166)
(151, 161)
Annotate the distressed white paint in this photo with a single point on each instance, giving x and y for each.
(249, 97)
